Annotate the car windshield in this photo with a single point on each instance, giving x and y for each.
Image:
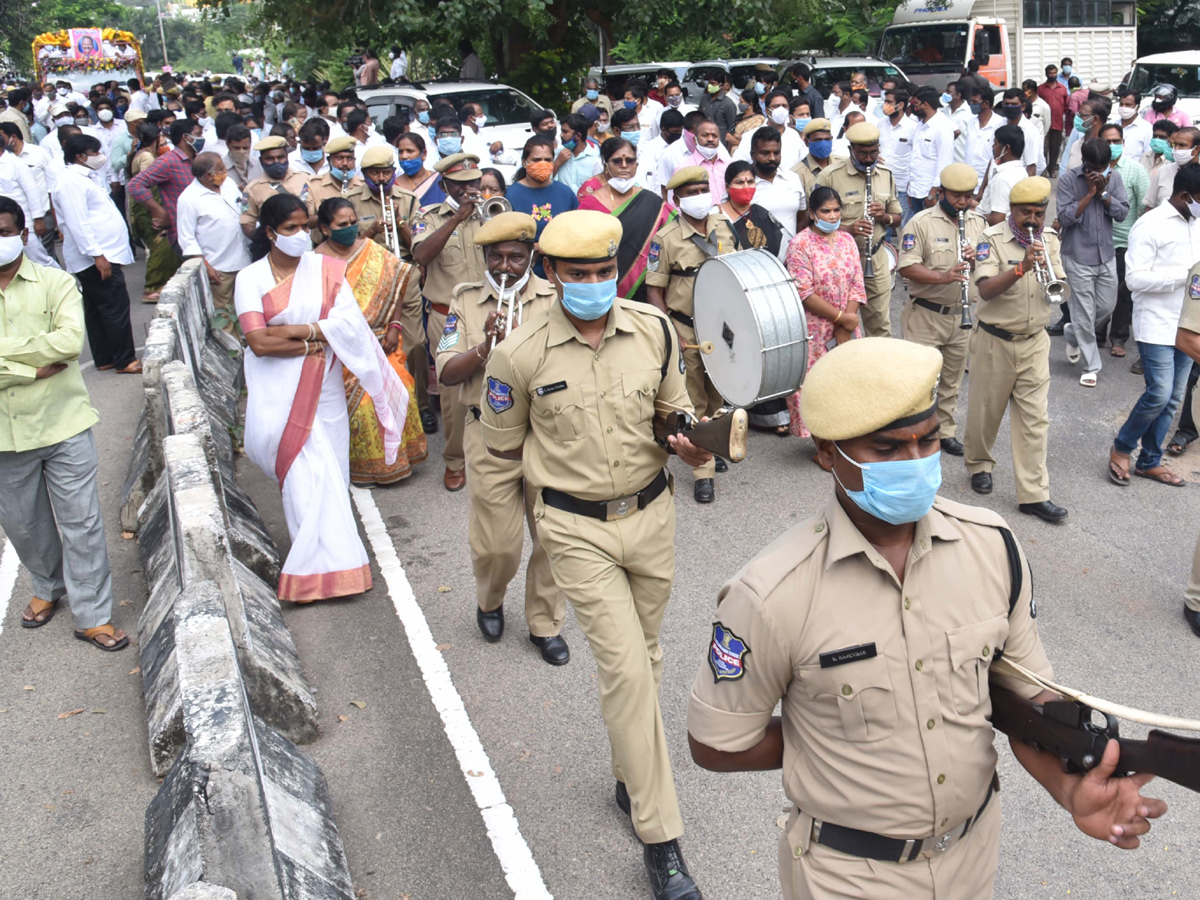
(1186, 79)
(699, 75)
(741, 76)
(824, 79)
(926, 48)
(502, 106)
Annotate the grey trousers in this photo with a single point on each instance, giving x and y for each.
(53, 489)
(1093, 299)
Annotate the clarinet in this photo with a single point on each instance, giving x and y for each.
(869, 268)
(965, 322)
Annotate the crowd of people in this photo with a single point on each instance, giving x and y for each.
(357, 263)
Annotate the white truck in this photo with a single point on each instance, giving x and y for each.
(933, 40)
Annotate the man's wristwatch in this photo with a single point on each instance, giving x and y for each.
(1104, 196)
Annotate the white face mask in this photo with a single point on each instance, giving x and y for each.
(779, 115)
(510, 288)
(1194, 209)
(696, 207)
(293, 244)
(621, 185)
(1183, 157)
(105, 115)
(96, 163)
(10, 248)
(63, 120)
(706, 152)
(1128, 112)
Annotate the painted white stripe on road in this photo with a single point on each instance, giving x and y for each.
(516, 859)
(9, 563)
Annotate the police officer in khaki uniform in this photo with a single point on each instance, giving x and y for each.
(575, 396)
(277, 178)
(338, 179)
(1010, 350)
(700, 232)
(849, 178)
(500, 496)
(1187, 339)
(444, 246)
(929, 260)
(379, 179)
(875, 623)
(818, 137)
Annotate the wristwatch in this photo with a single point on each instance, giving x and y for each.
(1104, 196)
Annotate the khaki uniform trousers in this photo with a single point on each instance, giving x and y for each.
(500, 498)
(1016, 372)
(454, 412)
(966, 871)
(222, 295)
(412, 339)
(940, 330)
(876, 313)
(618, 577)
(705, 397)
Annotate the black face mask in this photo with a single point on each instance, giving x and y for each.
(948, 208)
(1011, 113)
(672, 137)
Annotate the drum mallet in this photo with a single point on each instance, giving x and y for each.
(703, 346)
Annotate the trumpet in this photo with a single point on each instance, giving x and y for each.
(1054, 290)
(869, 268)
(500, 310)
(492, 206)
(391, 231)
(965, 322)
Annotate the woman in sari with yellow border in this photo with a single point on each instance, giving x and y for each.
(303, 326)
(378, 280)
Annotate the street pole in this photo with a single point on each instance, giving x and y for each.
(161, 34)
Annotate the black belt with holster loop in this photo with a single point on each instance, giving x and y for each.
(680, 317)
(1004, 334)
(933, 307)
(607, 510)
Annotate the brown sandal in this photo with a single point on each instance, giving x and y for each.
(38, 613)
(95, 636)
(1162, 474)
(1117, 350)
(1118, 468)
(134, 368)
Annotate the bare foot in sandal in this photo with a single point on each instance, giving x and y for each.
(1162, 474)
(106, 637)
(1118, 467)
(38, 613)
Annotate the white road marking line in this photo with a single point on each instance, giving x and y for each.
(9, 563)
(520, 869)
(84, 366)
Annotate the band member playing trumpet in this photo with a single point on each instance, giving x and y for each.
(500, 495)
(1010, 350)
(854, 178)
(392, 228)
(938, 265)
(699, 232)
(443, 237)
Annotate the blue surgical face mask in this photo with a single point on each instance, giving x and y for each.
(570, 145)
(898, 491)
(312, 156)
(1067, 70)
(1115, 151)
(593, 95)
(975, 108)
(275, 171)
(411, 166)
(947, 99)
(589, 301)
(342, 175)
(448, 146)
(827, 227)
(801, 124)
(821, 149)
(631, 104)
(423, 117)
(760, 88)
(632, 136)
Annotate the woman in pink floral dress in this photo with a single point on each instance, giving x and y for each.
(824, 261)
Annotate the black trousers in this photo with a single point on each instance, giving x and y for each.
(1054, 142)
(1187, 425)
(106, 317)
(1119, 325)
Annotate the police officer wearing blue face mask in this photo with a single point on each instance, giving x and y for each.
(574, 396)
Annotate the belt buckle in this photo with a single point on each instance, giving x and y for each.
(943, 843)
(619, 508)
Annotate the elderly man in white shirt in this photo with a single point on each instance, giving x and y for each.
(1164, 244)
(207, 223)
(18, 183)
(95, 247)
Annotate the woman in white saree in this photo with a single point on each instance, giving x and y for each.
(303, 324)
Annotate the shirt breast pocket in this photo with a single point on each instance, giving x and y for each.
(564, 414)
(451, 257)
(862, 693)
(971, 648)
(640, 389)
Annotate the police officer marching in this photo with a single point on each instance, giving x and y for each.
(1010, 350)
(501, 498)
(868, 222)
(875, 623)
(574, 396)
(930, 250)
(338, 179)
(700, 232)
(277, 178)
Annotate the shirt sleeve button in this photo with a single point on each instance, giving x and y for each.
(847, 690)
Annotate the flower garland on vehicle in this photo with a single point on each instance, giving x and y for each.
(64, 64)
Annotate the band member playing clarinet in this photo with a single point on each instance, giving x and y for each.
(938, 267)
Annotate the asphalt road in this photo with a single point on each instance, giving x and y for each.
(1109, 585)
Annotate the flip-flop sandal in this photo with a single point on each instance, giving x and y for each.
(1178, 446)
(1165, 476)
(1088, 379)
(783, 431)
(1118, 474)
(42, 608)
(1117, 351)
(92, 636)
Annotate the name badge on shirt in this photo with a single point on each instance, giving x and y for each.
(851, 193)
(832, 658)
(550, 388)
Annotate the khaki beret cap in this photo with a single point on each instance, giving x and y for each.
(959, 177)
(458, 167)
(59, 109)
(509, 226)
(378, 157)
(688, 175)
(868, 385)
(270, 143)
(1035, 191)
(585, 235)
(862, 133)
(340, 145)
(134, 115)
(817, 125)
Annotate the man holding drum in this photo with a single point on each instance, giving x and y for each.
(868, 222)
(575, 395)
(698, 233)
(930, 259)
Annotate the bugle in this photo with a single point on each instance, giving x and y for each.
(1054, 290)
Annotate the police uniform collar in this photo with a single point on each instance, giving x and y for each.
(688, 228)
(562, 330)
(845, 540)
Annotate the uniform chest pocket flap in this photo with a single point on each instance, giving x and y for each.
(971, 648)
(564, 413)
(863, 694)
(640, 388)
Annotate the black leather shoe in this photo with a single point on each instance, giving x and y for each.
(722, 466)
(1192, 616)
(623, 799)
(554, 649)
(953, 446)
(1056, 329)
(429, 421)
(1046, 511)
(981, 482)
(491, 624)
(703, 491)
(669, 878)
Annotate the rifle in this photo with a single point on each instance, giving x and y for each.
(723, 435)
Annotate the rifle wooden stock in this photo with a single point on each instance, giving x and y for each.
(1065, 728)
(723, 435)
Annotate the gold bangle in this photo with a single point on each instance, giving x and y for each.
(306, 348)
(477, 353)
(839, 316)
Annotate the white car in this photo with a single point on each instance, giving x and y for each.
(1180, 68)
(829, 70)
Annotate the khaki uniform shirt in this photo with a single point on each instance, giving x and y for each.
(808, 170)
(1189, 316)
(674, 257)
(261, 189)
(585, 415)
(1022, 309)
(931, 239)
(884, 685)
(370, 208)
(325, 187)
(464, 327)
(461, 259)
(851, 184)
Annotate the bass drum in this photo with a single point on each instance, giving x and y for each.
(746, 305)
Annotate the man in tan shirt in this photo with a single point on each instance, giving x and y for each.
(875, 623)
(574, 396)
(277, 178)
(338, 179)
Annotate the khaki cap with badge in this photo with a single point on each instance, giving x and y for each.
(862, 134)
(378, 158)
(509, 226)
(817, 125)
(270, 143)
(134, 115)
(1033, 191)
(581, 235)
(688, 175)
(458, 167)
(959, 177)
(340, 145)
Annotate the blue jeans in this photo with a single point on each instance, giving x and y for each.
(1166, 373)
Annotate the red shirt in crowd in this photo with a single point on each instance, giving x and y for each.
(1056, 98)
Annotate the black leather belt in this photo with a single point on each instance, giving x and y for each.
(680, 317)
(607, 510)
(875, 846)
(1003, 334)
(476, 412)
(934, 307)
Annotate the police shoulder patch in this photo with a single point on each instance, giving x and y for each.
(448, 341)
(1194, 288)
(451, 324)
(652, 257)
(499, 395)
(983, 251)
(726, 654)
(909, 241)
(419, 227)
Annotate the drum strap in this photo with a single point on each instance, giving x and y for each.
(667, 357)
